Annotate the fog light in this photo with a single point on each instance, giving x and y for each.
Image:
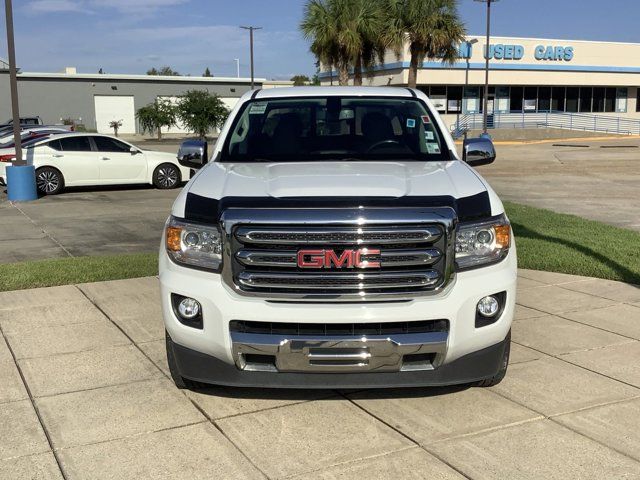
(488, 306)
(189, 308)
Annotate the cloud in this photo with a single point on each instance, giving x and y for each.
(121, 43)
(54, 6)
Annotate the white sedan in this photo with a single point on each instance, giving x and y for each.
(79, 159)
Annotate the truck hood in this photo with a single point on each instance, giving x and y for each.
(337, 179)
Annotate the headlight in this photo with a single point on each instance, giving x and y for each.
(482, 243)
(194, 244)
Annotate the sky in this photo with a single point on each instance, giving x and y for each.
(131, 36)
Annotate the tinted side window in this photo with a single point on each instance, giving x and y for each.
(75, 144)
(55, 144)
(106, 144)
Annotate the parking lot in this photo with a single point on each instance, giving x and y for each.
(85, 393)
(593, 182)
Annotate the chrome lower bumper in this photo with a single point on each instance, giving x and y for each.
(338, 353)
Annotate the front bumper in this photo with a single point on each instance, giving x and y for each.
(209, 355)
(470, 368)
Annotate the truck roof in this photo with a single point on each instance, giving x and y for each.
(333, 91)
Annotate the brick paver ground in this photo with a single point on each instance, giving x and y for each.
(85, 394)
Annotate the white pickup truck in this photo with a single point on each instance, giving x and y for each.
(334, 239)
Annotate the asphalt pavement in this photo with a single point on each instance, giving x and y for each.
(589, 181)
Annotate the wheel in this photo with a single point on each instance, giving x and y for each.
(166, 176)
(180, 381)
(49, 181)
(497, 378)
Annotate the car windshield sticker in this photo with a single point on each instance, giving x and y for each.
(428, 135)
(258, 108)
(411, 123)
(425, 119)
(433, 148)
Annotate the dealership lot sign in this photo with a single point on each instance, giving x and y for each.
(500, 51)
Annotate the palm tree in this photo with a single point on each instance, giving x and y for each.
(344, 34)
(432, 28)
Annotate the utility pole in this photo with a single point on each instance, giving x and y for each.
(486, 73)
(251, 29)
(13, 84)
(21, 179)
(237, 60)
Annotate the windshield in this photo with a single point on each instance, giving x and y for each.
(334, 128)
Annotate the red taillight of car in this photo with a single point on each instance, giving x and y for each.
(7, 158)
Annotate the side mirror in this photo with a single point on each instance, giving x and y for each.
(134, 151)
(478, 151)
(193, 154)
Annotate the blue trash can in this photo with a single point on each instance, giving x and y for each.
(21, 183)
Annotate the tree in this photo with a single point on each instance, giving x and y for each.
(432, 28)
(207, 73)
(115, 124)
(201, 111)
(300, 80)
(164, 71)
(161, 113)
(340, 31)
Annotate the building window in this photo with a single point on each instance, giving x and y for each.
(516, 99)
(471, 100)
(454, 99)
(530, 97)
(610, 100)
(502, 100)
(622, 94)
(438, 97)
(638, 99)
(544, 99)
(572, 99)
(586, 95)
(598, 99)
(557, 99)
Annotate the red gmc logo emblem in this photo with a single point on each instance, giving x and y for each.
(330, 259)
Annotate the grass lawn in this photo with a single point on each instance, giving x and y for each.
(545, 240)
(64, 271)
(569, 244)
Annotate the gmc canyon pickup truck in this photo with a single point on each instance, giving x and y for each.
(334, 239)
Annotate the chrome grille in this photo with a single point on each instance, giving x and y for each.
(339, 281)
(339, 236)
(414, 245)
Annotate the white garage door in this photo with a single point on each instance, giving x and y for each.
(115, 107)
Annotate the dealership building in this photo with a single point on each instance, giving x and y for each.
(94, 100)
(527, 75)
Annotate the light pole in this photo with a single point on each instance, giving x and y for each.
(251, 29)
(21, 181)
(470, 44)
(237, 60)
(486, 73)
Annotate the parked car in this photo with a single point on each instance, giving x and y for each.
(6, 132)
(80, 159)
(337, 240)
(26, 121)
(26, 134)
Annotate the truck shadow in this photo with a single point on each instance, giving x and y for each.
(303, 395)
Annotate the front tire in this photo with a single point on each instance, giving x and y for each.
(166, 176)
(498, 377)
(49, 181)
